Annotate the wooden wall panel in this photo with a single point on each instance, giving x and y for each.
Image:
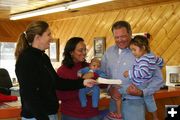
(10, 30)
(162, 21)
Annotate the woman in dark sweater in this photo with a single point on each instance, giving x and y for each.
(74, 60)
(36, 76)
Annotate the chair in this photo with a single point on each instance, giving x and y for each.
(5, 82)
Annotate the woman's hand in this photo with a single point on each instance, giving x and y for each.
(89, 82)
(114, 93)
(88, 75)
(133, 90)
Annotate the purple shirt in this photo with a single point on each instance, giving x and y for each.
(144, 68)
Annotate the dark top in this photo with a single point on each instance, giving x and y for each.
(38, 79)
(70, 103)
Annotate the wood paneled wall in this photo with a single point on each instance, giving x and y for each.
(10, 30)
(162, 21)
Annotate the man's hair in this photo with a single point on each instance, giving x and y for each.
(121, 24)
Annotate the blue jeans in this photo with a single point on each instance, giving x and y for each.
(149, 100)
(132, 109)
(150, 103)
(95, 90)
(51, 117)
(66, 117)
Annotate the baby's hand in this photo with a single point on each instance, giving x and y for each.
(89, 82)
(79, 74)
(88, 75)
(125, 74)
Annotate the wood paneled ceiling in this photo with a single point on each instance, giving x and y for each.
(8, 7)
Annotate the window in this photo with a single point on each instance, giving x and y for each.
(7, 58)
(53, 50)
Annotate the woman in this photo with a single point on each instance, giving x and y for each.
(36, 76)
(74, 60)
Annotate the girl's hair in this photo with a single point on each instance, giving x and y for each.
(141, 41)
(69, 48)
(26, 38)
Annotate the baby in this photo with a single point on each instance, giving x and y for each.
(95, 90)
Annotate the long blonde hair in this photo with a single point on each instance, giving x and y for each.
(26, 38)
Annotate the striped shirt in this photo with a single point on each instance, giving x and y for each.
(144, 68)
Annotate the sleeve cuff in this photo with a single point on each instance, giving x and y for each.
(96, 75)
(122, 90)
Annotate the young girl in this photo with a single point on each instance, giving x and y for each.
(143, 69)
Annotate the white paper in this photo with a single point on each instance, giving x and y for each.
(109, 81)
(15, 88)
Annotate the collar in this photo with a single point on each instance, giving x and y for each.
(125, 50)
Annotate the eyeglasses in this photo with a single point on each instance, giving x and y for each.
(82, 50)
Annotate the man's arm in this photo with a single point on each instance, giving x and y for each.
(153, 86)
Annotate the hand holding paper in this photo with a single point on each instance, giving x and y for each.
(109, 81)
